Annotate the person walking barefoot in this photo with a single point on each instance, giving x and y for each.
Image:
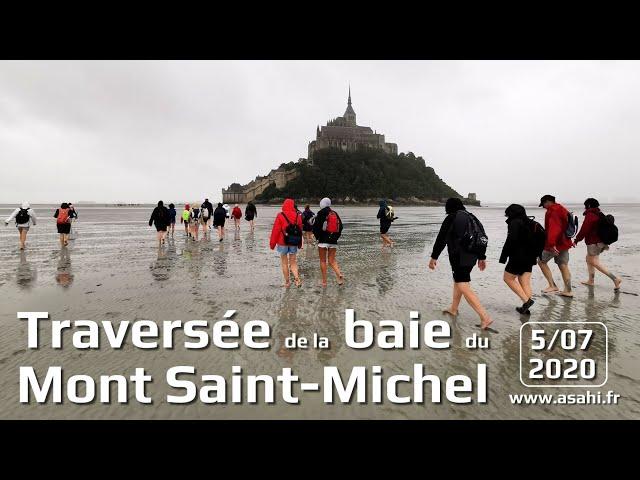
(236, 213)
(24, 217)
(286, 238)
(451, 232)
(595, 246)
(63, 223)
(172, 219)
(219, 218)
(327, 229)
(250, 213)
(386, 216)
(185, 217)
(160, 217)
(557, 245)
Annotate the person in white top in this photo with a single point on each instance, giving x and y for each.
(24, 217)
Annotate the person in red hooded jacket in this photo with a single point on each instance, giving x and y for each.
(236, 213)
(557, 245)
(287, 239)
(595, 246)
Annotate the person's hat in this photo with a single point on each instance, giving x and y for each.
(544, 198)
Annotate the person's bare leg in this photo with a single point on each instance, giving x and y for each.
(596, 265)
(473, 300)
(591, 271)
(284, 262)
(322, 254)
(512, 282)
(293, 265)
(334, 265)
(23, 239)
(455, 301)
(546, 271)
(525, 283)
(61, 238)
(566, 279)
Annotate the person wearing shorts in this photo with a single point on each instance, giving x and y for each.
(556, 246)
(462, 262)
(589, 233)
(385, 224)
(286, 245)
(63, 223)
(24, 217)
(327, 240)
(160, 217)
(521, 256)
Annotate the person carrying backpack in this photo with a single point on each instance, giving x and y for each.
(63, 223)
(160, 217)
(172, 219)
(386, 216)
(598, 231)
(463, 236)
(286, 238)
(521, 249)
(207, 213)
(307, 223)
(195, 218)
(24, 217)
(557, 245)
(327, 228)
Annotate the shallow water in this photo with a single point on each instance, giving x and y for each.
(114, 271)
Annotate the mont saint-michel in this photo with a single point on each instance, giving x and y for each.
(350, 163)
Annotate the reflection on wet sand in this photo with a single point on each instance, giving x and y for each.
(64, 275)
(26, 273)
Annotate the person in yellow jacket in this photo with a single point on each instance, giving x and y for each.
(185, 217)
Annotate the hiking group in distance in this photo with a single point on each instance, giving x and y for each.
(528, 243)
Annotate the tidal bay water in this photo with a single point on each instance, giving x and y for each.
(114, 271)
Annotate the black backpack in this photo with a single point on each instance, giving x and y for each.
(475, 239)
(22, 216)
(292, 234)
(607, 229)
(572, 225)
(537, 237)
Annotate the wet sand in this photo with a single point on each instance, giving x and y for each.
(114, 271)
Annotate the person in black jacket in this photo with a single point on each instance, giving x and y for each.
(219, 217)
(327, 228)
(385, 224)
(462, 262)
(206, 215)
(160, 216)
(250, 212)
(522, 257)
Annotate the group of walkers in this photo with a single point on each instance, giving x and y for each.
(24, 217)
(291, 226)
(194, 217)
(528, 243)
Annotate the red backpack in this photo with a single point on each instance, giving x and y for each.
(63, 215)
(332, 224)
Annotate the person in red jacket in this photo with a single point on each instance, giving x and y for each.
(557, 245)
(589, 233)
(287, 239)
(236, 213)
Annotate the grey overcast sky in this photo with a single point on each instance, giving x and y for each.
(139, 131)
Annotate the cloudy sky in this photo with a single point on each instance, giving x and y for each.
(178, 130)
